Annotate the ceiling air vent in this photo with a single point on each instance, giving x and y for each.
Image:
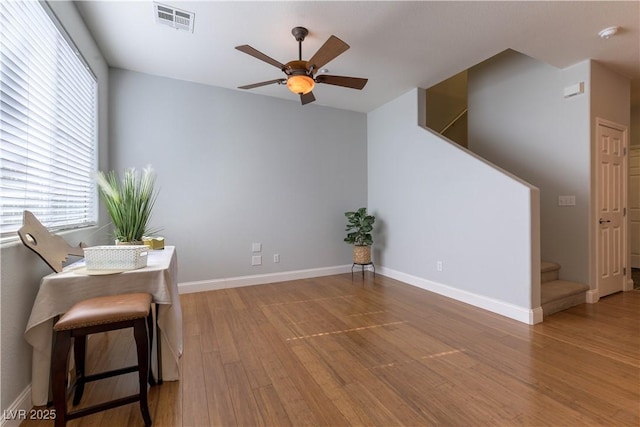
(175, 18)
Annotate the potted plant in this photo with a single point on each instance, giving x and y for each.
(359, 226)
(129, 202)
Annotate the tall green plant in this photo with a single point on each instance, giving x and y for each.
(360, 225)
(129, 201)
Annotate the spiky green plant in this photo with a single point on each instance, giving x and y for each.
(129, 201)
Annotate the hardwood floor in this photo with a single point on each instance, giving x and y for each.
(332, 351)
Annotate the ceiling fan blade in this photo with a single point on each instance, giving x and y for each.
(268, 82)
(307, 98)
(261, 56)
(328, 51)
(350, 82)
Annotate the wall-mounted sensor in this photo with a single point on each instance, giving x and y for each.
(574, 90)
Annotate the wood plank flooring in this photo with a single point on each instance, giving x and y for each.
(334, 352)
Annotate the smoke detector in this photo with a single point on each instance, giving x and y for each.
(175, 18)
(608, 32)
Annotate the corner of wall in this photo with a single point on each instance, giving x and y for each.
(536, 316)
(18, 410)
(535, 248)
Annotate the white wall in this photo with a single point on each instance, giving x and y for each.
(22, 269)
(236, 168)
(436, 202)
(520, 120)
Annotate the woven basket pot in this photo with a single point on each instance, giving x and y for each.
(361, 254)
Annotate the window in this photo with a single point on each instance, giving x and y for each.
(48, 121)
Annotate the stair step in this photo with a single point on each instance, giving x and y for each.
(549, 271)
(559, 295)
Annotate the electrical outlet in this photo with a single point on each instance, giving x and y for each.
(439, 265)
(276, 257)
(256, 260)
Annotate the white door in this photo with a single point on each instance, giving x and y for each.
(611, 191)
(634, 205)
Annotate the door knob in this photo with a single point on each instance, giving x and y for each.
(603, 221)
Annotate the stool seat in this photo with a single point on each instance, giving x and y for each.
(104, 310)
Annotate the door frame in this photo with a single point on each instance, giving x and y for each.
(632, 149)
(593, 294)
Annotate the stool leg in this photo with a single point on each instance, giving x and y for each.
(152, 380)
(59, 377)
(79, 353)
(142, 345)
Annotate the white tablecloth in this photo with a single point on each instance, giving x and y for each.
(59, 291)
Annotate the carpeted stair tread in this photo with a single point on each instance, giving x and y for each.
(546, 266)
(559, 289)
(549, 271)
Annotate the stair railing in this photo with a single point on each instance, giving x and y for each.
(452, 122)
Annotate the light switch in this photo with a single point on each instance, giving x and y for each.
(566, 200)
(256, 247)
(256, 260)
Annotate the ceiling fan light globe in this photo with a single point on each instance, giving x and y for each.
(300, 84)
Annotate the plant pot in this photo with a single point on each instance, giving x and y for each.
(361, 254)
(133, 243)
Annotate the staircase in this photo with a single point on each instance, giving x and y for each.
(557, 295)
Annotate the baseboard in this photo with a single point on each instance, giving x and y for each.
(19, 409)
(536, 316)
(628, 286)
(521, 314)
(260, 279)
(592, 296)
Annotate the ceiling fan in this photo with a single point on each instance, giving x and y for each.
(301, 75)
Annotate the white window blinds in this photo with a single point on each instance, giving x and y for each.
(48, 117)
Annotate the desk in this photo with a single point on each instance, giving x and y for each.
(59, 291)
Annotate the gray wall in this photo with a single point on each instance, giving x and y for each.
(434, 201)
(519, 120)
(236, 168)
(21, 269)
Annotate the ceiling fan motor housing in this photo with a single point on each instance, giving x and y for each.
(296, 68)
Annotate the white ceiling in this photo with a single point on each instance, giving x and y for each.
(397, 45)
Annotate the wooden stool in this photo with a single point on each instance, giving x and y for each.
(88, 317)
